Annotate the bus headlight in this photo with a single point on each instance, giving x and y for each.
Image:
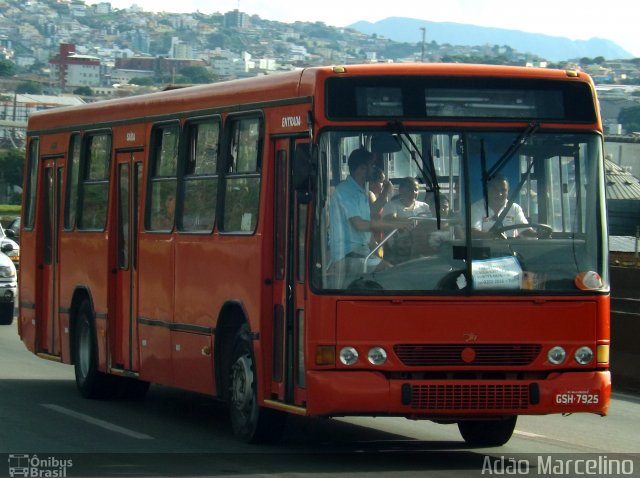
(584, 355)
(348, 355)
(556, 355)
(377, 356)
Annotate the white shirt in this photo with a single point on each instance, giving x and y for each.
(481, 222)
(399, 210)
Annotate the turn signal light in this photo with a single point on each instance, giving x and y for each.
(325, 355)
(602, 354)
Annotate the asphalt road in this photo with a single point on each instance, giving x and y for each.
(44, 422)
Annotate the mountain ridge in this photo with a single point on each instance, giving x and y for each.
(553, 48)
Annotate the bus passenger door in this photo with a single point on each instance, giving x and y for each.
(123, 327)
(49, 333)
(288, 282)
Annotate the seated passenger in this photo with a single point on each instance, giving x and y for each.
(380, 189)
(405, 244)
(407, 204)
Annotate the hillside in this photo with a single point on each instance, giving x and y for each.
(549, 47)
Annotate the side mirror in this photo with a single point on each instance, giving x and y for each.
(304, 169)
(6, 247)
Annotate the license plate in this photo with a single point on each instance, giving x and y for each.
(577, 398)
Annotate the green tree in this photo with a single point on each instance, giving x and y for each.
(83, 91)
(7, 68)
(142, 81)
(12, 165)
(29, 87)
(197, 74)
(629, 118)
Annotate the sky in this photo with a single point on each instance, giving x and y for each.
(574, 19)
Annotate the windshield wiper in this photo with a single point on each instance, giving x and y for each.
(512, 150)
(497, 167)
(431, 180)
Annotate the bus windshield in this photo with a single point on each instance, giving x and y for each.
(466, 212)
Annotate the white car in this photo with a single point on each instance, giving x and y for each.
(14, 252)
(8, 286)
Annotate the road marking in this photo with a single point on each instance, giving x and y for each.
(528, 434)
(95, 421)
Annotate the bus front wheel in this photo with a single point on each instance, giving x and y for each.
(250, 422)
(91, 383)
(487, 433)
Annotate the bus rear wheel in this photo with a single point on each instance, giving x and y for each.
(487, 433)
(90, 381)
(250, 422)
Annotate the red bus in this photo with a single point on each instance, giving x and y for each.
(218, 239)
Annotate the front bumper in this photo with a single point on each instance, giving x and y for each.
(8, 292)
(334, 393)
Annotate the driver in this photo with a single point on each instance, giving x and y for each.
(497, 197)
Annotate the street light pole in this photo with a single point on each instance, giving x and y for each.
(424, 32)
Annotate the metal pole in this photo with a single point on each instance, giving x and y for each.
(424, 32)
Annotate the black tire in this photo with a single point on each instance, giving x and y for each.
(91, 383)
(487, 433)
(6, 313)
(250, 422)
(134, 389)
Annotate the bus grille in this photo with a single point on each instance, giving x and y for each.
(484, 355)
(469, 397)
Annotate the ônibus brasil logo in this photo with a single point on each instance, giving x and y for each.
(33, 466)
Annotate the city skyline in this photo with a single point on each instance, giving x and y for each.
(571, 19)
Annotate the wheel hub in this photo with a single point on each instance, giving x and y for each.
(242, 383)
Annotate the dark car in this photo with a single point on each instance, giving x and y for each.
(15, 227)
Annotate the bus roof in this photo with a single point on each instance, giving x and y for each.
(256, 90)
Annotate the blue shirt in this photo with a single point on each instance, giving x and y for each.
(349, 200)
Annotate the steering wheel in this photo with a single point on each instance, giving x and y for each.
(543, 231)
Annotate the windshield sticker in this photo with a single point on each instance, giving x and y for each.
(497, 273)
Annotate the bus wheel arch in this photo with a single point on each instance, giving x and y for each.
(237, 382)
(250, 422)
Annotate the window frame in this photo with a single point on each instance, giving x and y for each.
(72, 187)
(187, 177)
(155, 180)
(84, 179)
(230, 174)
(31, 183)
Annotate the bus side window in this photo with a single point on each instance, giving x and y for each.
(161, 199)
(199, 181)
(73, 172)
(242, 180)
(92, 214)
(31, 182)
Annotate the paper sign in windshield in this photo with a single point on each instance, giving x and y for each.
(497, 273)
